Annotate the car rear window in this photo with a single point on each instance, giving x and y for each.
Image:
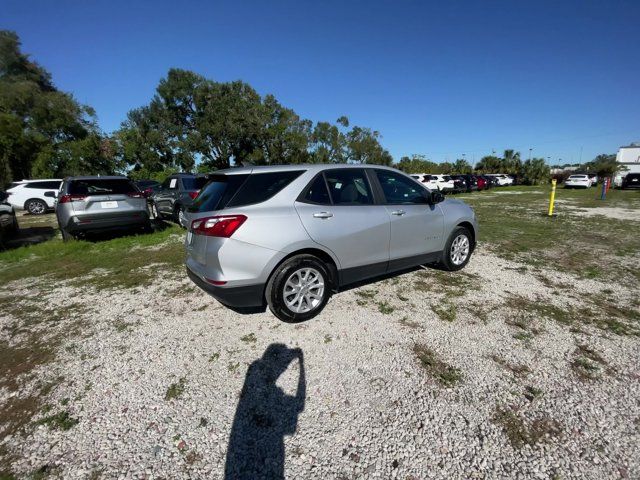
(194, 183)
(46, 185)
(260, 187)
(101, 186)
(217, 192)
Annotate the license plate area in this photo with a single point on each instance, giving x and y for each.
(111, 204)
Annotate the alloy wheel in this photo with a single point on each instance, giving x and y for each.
(459, 249)
(304, 290)
(36, 208)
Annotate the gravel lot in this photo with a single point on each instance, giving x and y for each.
(164, 382)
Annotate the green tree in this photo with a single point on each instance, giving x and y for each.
(604, 165)
(490, 164)
(417, 164)
(535, 171)
(44, 131)
(511, 162)
(363, 146)
(462, 166)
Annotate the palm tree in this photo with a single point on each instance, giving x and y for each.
(512, 162)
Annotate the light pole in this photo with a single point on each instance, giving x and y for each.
(530, 153)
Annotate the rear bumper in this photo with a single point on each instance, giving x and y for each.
(111, 222)
(237, 297)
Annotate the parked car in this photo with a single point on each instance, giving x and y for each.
(594, 178)
(30, 195)
(289, 236)
(175, 195)
(148, 187)
(481, 182)
(631, 181)
(577, 181)
(472, 181)
(460, 184)
(8, 220)
(95, 204)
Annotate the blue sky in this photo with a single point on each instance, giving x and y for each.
(435, 78)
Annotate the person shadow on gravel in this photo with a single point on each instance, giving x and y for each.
(265, 414)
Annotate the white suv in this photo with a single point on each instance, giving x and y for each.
(34, 196)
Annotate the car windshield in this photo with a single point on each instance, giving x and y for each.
(101, 186)
(578, 177)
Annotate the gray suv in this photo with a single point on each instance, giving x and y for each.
(95, 204)
(289, 236)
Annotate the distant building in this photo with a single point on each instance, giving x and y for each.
(629, 159)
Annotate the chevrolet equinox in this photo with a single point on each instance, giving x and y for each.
(289, 236)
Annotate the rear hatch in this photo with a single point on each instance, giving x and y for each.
(213, 196)
(101, 196)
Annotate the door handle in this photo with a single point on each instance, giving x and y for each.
(398, 212)
(323, 215)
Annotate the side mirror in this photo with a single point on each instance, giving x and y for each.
(437, 197)
(50, 194)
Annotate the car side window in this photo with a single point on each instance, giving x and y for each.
(349, 186)
(317, 192)
(398, 189)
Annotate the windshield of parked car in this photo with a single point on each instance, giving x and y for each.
(578, 177)
(101, 186)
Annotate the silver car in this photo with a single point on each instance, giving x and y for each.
(96, 204)
(290, 236)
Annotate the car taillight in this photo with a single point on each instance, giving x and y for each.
(135, 194)
(218, 226)
(194, 194)
(147, 192)
(71, 198)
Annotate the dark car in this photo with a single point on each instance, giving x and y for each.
(148, 187)
(175, 195)
(631, 181)
(8, 221)
(460, 184)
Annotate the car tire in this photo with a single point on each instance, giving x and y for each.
(66, 236)
(284, 296)
(457, 250)
(35, 206)
(180, 219)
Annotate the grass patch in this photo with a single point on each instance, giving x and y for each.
(531, 393)
(385, 308)
(443, 373)
(446, 311)
(515, 227)
(176, 390)
(587, 363)
(60, 421)
(408, 323)
(520, 432)
(328, 338)
(250, 338)
(366, 294)
(518, 369)
(123, 262)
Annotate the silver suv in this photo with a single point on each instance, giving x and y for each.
(289, 236)
(95, 204)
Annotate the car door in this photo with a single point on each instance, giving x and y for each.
(339, 212)
(417, 226)
(164, 198)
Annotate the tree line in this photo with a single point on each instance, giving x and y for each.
(191, 124)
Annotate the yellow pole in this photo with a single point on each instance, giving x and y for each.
(553, 196)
